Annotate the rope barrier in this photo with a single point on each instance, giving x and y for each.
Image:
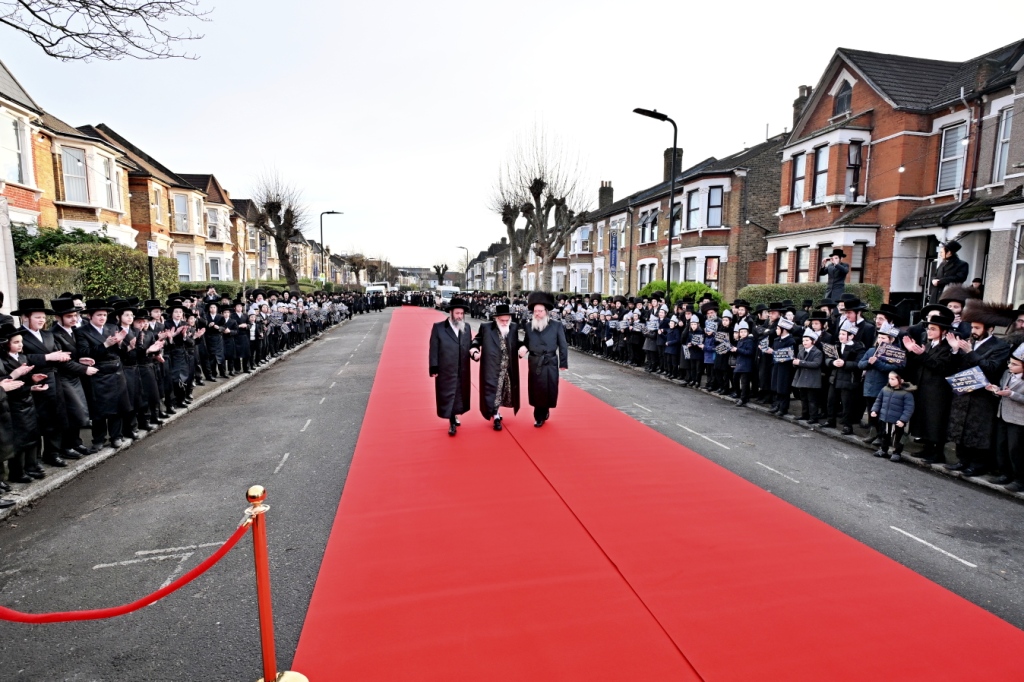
(98, 614)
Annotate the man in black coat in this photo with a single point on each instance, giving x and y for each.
(496, 347)
(951, 270)
(42, 352)
(72, 375)
(450, 343)
(837, 270)
(549, 353)
(110, 404)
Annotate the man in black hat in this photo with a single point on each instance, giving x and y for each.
(548, 351)
(450, 343)
(496, 347)
(42, 351)
(72, 375)
(833, 266)
(110, 405)
(951, 270)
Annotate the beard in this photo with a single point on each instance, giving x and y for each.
(503, 329)
(539, 324)
(459, 325)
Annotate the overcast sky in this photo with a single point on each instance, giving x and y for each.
(400, 113)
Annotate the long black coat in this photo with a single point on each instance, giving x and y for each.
(933, 395)
(449, 360)
(49, 403)
(72, 378)
(216, 339)
(488, 340)
(24, 420)
(836, 285)
(6, 428)
(972, 416)
(109, 389)
(951, 270)
(548, 353)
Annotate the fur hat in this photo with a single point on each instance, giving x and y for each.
(710, 305)
(540, 298)
(959, 293)
(989, 314)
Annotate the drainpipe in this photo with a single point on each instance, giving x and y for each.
(977, 144)
(629, 272)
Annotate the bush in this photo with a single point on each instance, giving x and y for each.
(872, 294)
(229, 288)
(681, 290)
(116, 270)
(46, 240)
(48, 281)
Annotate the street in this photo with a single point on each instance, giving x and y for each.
(156, 510)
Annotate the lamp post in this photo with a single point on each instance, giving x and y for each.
(655, 114)
(323, 248)
(465, 274)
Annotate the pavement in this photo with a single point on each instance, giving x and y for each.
(114, 533)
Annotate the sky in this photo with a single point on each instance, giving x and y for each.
(399, 113)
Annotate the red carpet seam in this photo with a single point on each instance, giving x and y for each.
(610, 561)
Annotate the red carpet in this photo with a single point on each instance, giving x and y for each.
(569, 553)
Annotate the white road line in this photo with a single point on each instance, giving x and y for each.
(145, 552)
(605, 388)
(339, 372)
(704, 437)
(129, 562)
(333, 384)
(322, 400)
(177, 571)
(283, 460)
(305, 426)
(577, 375)
(346, 364)
(937, 549)
(643, 408)
(778, 472)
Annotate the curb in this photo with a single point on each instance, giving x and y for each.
(33, 492)
(908, 458)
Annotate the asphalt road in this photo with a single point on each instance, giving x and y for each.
(894, 508)
(122, 530)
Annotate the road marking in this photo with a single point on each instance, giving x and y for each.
(177, 571)
(339, 372)
(778, 472)
(704, 437)
(129, 562)
(333, 384)
(937, 549)
(283, 460)
(306, 425)
(607, 389)
(346, 364)
(322, 400)
(145, 552)
(577, 375)
(643, 408)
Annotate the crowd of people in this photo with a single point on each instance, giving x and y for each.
(837, 363)
(120, 366)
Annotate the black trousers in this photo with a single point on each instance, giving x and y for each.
(1009, 438)
(741, 384)
(541, 414)
(107, 426)
(891, 435)
(809, 402)
(25, 459)
(978, 457)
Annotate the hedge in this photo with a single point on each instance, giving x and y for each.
(681, 290)
(113, 269)
(48, 281)
(768, 293)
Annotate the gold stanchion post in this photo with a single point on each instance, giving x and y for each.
(256, 496)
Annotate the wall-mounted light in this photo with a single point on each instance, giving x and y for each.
(901, 169)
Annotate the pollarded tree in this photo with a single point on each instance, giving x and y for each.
(281, 216)
(440, 269)
(105, 29)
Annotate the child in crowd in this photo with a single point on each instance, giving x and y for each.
(876, 374)
(1010, 423)
(808, 362)
(744, 351)
(782, 353)
(843, 394)
(893, 409)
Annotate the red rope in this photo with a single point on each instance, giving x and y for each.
(97, 614)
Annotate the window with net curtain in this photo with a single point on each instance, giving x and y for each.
(76, 186)
(803, 264)
(1003, 133)
(180, 213)
(11, 159)
(184, 267)
(1018, 266)
(951, 158)
(215, 269)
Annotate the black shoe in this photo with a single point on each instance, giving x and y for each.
(974, 470)
(830, 424)
(5, 504)
(1001, 479)
(497, 424)
(134, 435)
(200, 382)
(896, 457)
(212, 380)
(81, 449)
(36, 474)
(774, 410)
(538, 424)
(813, 422)
(162, 415)
(70, 454)
(847, 431)
(171, 410)
(1013, 487)
(157, 422)
(116, 443)
(96, 447)
(881, 453)
(20, 479)
(55, 462)
(187, 401)
(4, 486)
(959, 466)
(451, 430)
(739, 403)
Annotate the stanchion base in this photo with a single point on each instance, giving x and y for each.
(288, 676)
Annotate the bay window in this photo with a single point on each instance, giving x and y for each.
(715, 207)
(76, 188)
(180, 213)
(853, 164)
(692, 210)
(12, 161)
(1002, 144)
(184, 267)
(213, 223)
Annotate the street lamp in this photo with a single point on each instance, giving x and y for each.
(465, 275)
(323, 247)
(658, 116)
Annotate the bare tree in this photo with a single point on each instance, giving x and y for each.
(355, 264)
(104, 29)
(440, 269)
(541, 183)
(281, 216)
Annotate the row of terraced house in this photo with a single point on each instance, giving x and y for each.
(888, 156)
(54, 175)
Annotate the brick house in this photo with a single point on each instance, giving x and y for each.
(720, 217)
(220, 250)
(255, 252)
(889, 156)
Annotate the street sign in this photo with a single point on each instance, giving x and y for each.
(152, 249)
(614, 248)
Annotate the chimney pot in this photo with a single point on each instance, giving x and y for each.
(668, 162)
(800, 102)
(605, 194)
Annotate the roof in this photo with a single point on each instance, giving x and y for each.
(246, 208)
(59, 127)
(970, 211)
(146, 165)
(206, 182)
(11, 90)
(929, 84)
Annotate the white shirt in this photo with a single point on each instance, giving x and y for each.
(33, 332)
(454, 328)
(977, 344)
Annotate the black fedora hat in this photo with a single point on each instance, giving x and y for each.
(890, 311)
(63, 306)
(761, 307)
(837, 252)
(540, 298)
(501, 309)
(27, 306)
(819, 315)
(741, 303)
(151, 303)
(459, 303)
(952, 245)
(776, 306)
(826, 303)
(854, 303)
(96, 305)
(943, 318)
(8, 331)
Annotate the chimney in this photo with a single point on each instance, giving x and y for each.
(800, 102)
(668, 163)
(604, 195)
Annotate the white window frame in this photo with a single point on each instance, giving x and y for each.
(17, 153)
(181, 223)
(197, 210)
(959, 158)
(215, 265)
(720, 206)
(213, 224)
(158, 200)
(1002, 152)
(67, 152)
(184, 259)
(109, 178)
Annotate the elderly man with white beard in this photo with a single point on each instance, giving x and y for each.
(549, 353)
(496, 346)
(450, 342)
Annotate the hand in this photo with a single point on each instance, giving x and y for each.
(1003, 393)
(88, 362)
(22, 371)
(874, 414)
(769, 350)
(838, 362)
(900, 424)
(38, 377)
(965, 345)
(58, 356)
(39, 388)
(523, 351)
(872, 360)
(89, 371)
(434, 370)
(200, 333)
(563, 369)
(9, 385)
(935, 282)
(733, 349)
(131, 344)
(475, 354)
(952, 340)
(796, 361)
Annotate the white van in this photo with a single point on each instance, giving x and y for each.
(444, 296)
